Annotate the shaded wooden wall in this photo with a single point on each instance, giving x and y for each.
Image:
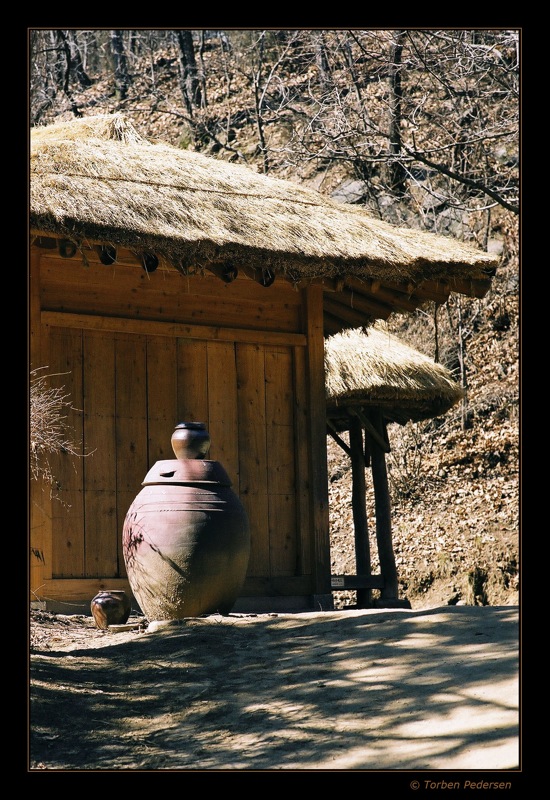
(137, 353)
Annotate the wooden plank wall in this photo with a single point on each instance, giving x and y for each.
(223, 409)
(253, 477)
(131, 389)
(165, 295)
(162, 397)
(100, 497)
(132, 461)
(68, 544)
(281, 476)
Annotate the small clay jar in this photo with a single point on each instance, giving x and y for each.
(111, 607)
(190, 440)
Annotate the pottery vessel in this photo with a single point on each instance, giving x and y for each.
(186, 540)
(110, 607)
(190, 440)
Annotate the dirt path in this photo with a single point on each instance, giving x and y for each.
(434, 689)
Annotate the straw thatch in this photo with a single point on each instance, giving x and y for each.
(97, 180)
(375, 369)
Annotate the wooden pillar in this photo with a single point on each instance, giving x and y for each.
(317, 419)
(362, 549)
(383, 510)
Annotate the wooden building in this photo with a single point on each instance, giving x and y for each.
(166, 287)
(372, 379)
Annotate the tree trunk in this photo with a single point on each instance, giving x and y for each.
(321, 59)
(189, 80)
(63, 69)
(462, 361)
(76, 66)
(258, 96)
(395, 171)
(122, 79)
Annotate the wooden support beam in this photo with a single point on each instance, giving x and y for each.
(437, 291)
(331, 430)
(369, 427)
(144, 327)
(356, 582)
(359, 301)
(383, 512)
(399, 300)
(470, 288)
(317, 420)
(349, 316)
(362, 548)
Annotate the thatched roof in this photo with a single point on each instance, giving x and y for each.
(374, 369)
(97, 179)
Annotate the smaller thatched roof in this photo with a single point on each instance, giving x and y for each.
(374, 369)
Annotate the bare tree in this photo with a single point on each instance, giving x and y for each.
(75, 63)
(58, 63)
(120, 64)
(61, 70)
(439, 108)
(321, 60)
(397, 175)
(189, 79)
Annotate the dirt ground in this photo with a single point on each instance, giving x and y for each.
(368, 690)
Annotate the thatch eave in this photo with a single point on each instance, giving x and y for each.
(198, 254)
(374, 369)
(97, 179)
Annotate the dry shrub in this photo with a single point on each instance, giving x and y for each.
(404, 462)
(50, 433)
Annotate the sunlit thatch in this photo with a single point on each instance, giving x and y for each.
(373, 368)
(96, 180)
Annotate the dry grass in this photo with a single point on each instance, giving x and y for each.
(97, 179)
(50, 433)
(375, 369)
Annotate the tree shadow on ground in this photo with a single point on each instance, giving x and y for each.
(336, 691)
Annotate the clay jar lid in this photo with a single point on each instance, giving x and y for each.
(182, 471)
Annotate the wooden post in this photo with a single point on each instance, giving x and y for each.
(317, 419)
(362, 549)
(383, 510)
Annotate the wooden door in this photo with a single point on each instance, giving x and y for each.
(128, 392)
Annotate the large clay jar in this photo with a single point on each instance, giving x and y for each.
(186, 540)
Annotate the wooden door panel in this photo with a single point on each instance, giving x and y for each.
(131, 390)
(100, 498)
(250, 360)
(162, 397)
(131, 427)
(222, 408)
(65, 371)
(283, 550)
(281, 471)
(192, 383)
